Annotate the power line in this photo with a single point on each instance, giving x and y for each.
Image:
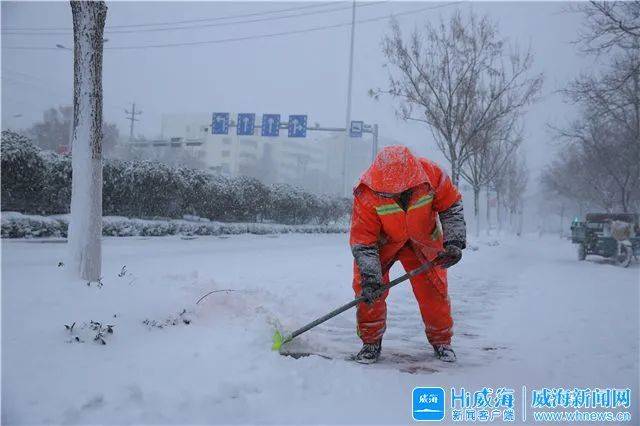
(190, 21)
(24, 101)
(42, 86)
(35, 86)
(41, 83)
(220, 24)
(22, 74)
(278, 34)
(251, 37)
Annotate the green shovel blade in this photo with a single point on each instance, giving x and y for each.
(278, 341)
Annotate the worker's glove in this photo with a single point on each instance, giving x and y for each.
(450, 256)
(371, 291)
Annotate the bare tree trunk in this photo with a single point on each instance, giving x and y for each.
(488, 213)
(520, 220)
(85, 225)
(476, 208)
(498, 211)
(455, 169)
(511, 227)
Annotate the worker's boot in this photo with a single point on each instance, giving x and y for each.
(369, 353)
(445, 353)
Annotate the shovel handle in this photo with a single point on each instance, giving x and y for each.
(425, 266)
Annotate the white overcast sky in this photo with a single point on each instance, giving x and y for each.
(292, 74)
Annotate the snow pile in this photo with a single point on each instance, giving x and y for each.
(18, 225)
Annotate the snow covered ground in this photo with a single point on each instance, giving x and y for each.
(526, 312)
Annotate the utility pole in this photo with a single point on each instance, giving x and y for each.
(374, 142)
(348, 118)
(131, 116)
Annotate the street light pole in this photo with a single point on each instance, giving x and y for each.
(374, 142)
(348, 118)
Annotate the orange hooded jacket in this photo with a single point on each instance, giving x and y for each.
(379, 220)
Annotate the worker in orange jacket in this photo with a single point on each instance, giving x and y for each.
(405, 208)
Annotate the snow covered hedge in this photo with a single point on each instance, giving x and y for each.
(18, 225)
(39, 182)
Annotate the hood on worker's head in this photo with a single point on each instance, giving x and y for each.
(394, 170)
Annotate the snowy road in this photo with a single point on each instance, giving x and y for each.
(526, 312)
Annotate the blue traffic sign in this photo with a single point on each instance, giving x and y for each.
(270, 125)
(246, 124)
(220, 123)
(297, 126)
(355, 131)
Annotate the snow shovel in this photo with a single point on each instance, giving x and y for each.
(280, 339)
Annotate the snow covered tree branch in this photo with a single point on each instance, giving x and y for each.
(461, 79)
(600, 165)
(609, 25)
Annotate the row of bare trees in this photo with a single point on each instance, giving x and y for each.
(599, 167)
(470, 87)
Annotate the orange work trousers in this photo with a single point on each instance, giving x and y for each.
(430, 291)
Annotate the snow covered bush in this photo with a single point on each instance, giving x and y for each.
(39, 182)
(248, 200)
(290, 204)
(57, 188)
(331, 208)
(24, 175)
(18, 225)
(142, 189)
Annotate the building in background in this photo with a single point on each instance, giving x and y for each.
(313, 163)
